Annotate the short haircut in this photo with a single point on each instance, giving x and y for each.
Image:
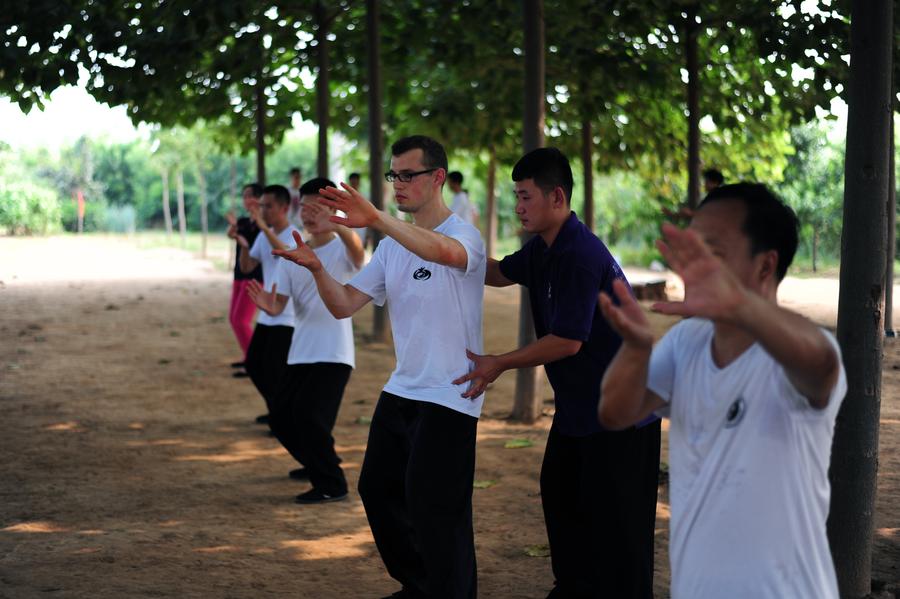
(313, 186)
(433, 154)
(255, 189)
(548, 167)
(455, 177)
(769, 222)
(713, 175)
(280, 193)
(295, 171)
(352, 175)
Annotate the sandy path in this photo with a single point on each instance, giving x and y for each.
(131, 468)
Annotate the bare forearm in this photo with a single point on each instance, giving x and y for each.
(247, 263)
(266, 230)
(548, 348)
(426, 244)
(807, 356)
(493, 276)
(353, 243)
(341, 300)
(275, 308)
(624, 388)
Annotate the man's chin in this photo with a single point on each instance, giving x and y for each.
(407, 209)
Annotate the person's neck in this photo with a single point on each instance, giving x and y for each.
(319, 239)
(280, 226)
(432, 213)
(729, 340)
(549, 235)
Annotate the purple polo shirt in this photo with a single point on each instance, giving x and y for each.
(563, 281)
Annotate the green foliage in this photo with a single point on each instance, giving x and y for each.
(28, 209)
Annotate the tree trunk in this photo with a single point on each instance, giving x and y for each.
(693, 106)
(587, 151)
(527, 402)
(204, 220)
(260, 129)
(891, 242)
(232, 184)
(167, 213)
(490, 226)
(179, 193)
(815, 248)
(322, 88)
(854, 458)
(380, 323)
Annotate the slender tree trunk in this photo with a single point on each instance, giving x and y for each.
(167, 212)
(490, 225)
(179, 194)
(204, 217)
(527, 401)
(891, 243)
(380, 323)
(232, 184)
(815, 248)
(860, 331)
(693, 105)
(260, 129)
(322, 89)
(587, 151)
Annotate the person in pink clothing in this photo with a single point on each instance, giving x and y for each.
(242, 309)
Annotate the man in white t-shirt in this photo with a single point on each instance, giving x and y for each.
(416, 479)
(751, 390)
(460, 204)
(321, 355)
(294, 189)
(267, 353)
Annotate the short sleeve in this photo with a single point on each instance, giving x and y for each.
(661, 370)
(576, 301)
(801, 403)
(256, 248)
(515, 266)
(469, 237)
(371, 279)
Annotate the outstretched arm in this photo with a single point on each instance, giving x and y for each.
(493, 276)
(265, 229)
(712, 291)
(352, 243)
(426, 244)
(341, 300)
(548, 348)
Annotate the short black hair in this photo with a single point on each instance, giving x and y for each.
(433, 154)
(548, 167)
(455, 176)
(295, 171)
(351, 175)
(770, 223)
(280, 193)
(255, 188)
(313, 186)
(714, 175)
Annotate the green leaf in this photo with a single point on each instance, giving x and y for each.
(517, 443)
(364, 420)
(541, 550)
(484, 484)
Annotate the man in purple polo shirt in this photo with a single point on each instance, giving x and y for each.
(598, 487)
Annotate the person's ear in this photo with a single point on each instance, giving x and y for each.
(559, 198)
(768, 267)
(440, 176)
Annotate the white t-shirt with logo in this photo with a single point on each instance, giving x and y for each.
(748, 460)
(436, 314)
(318, 336)
(261, 251)
(462, 207)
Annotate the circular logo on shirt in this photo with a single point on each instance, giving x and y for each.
(423, 274)
(735, 413)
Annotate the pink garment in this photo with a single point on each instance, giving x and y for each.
(241, 314)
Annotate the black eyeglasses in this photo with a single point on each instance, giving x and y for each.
(391, 176)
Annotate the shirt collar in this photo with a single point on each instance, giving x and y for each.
(566, 235)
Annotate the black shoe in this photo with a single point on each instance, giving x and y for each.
(299, 474)
(262, 419)
(316, 496)
(238, 364)
(240, 374)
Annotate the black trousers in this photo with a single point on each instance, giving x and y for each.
(599, 498)
(416, 486)
(302, 418)
(267, 358)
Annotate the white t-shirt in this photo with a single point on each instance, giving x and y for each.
(462, 207)
(435, 314)
(318, 336)
(748, 460)
(262, 252)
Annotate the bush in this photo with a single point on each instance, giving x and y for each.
(94, 215)
(28, 209)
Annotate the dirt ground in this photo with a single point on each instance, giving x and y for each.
(130, 465)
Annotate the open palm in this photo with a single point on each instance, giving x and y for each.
(358, 210)
(302, 254)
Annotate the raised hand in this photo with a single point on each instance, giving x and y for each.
(302, 254)
(265, 300)
(710, 289)
(315, 210)
(358, 210)
(487, 369)
(231, 219)
(627, 318)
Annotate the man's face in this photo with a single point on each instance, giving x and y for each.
(295, 180)
(250, 200)
(354, 183)
(719, 224)
(709, 185)
(533, 207)
(315, 215)
(454, 186)
(272, 211)
(410, 197)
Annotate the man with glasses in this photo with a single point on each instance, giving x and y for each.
(417, 475)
